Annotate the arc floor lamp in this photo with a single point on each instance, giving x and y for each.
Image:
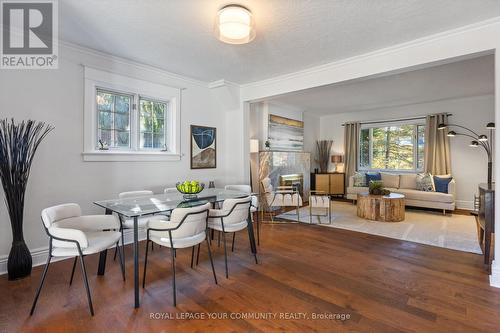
(479, 140)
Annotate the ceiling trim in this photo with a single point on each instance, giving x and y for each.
(373, 54)
(129, 62)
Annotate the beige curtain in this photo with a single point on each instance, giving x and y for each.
(437, 157)
(351, 148)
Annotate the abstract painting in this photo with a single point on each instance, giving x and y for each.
(285, 134)
(203, 147)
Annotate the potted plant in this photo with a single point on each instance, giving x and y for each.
(18, 144)
(376, 187)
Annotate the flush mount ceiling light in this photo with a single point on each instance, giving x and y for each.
(234, 25)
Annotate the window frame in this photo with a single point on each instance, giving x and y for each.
(95, 80)
(416, 123)
(167, 126)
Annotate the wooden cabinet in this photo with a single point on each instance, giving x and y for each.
(331, 183)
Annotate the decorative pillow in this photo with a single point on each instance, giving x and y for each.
(441, 183)
(390, 180)
(359, 179)
(425, 182)
(373, 176)
(408, 181)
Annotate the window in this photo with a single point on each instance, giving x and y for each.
(127, 119)
(153, 116)
(392, 147)
(113, 127)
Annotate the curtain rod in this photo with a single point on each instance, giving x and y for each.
(393, 120)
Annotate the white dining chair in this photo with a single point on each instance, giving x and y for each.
(232, 217)
(73, 235)
(129, 223)
(254, 208)
(186, 228)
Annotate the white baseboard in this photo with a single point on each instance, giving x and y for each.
(464, 204)
(495, 274)
(39, 256)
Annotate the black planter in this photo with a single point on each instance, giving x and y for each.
(19, 263)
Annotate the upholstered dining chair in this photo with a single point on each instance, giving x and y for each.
(282, 196)
(73, 235)
(186, 228)
(320, 201)
(129, 223)
(253, 208)
(232, 217)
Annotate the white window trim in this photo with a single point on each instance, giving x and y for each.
(94, 79)
(415, 122)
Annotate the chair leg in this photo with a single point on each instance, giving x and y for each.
(152, 246)
(44, 274)
(225, 253)
(211, 260)
(85, 280)
(122, 263)
(116, 251)
(172, 251)
(258, 228)
(198, 253)
(232, 245)
(218, 239)
(145, 265)
(192, 256)
(73, 271)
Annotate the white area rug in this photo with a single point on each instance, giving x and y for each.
(457, 232)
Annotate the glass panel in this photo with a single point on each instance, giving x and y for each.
(122, 104)
(159, 110)
(165, 202)
(122, 121)
(392, 148)
(420, 146)
(158, 125)
(146, 140)
(105, 120)
(364, 148)
(105, 136)
(122, 139)
(158, 141)
(104, 101)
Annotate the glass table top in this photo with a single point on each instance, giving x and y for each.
(158, 203)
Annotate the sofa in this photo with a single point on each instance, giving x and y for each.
(406, 185)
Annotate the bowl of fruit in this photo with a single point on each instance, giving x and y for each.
(190, 188)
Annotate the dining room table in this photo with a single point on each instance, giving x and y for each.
(135, 208)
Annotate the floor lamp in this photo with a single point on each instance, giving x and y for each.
(479, 140)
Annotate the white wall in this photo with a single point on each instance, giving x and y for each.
(59, 174)
(469, 165)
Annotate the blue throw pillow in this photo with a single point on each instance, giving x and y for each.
(373, 176)
(441, 183)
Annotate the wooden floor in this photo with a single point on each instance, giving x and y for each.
(380, 284)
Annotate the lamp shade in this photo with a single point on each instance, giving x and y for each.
(337, 158)
(254, 145)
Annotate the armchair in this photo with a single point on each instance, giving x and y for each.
(283, 196)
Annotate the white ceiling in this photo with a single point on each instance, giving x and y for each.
(467, 78)
(177, 35)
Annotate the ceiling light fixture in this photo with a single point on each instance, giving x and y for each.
(235, 25)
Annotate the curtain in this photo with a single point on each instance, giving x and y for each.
(351, 148)
(437, 157)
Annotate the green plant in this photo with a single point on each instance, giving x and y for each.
(376, 187)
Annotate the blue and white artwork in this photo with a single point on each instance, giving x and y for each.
(203, 147)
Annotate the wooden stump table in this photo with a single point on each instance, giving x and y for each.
(384, 208)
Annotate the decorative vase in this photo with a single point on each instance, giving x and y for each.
(18, 144)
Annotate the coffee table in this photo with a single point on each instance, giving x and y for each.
(384, 208)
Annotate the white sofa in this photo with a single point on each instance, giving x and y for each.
(413, 197)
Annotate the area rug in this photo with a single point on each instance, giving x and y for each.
(457, 232)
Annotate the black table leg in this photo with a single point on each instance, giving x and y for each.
(136, 263)
(250, 233)
(101, 269)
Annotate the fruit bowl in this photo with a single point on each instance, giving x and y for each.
(190, 188)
